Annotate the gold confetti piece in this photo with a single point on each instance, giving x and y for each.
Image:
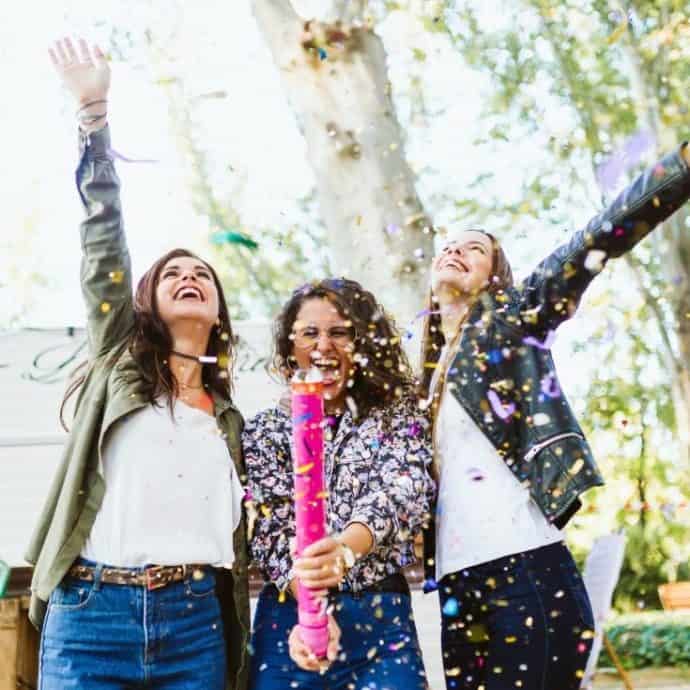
(618, 32)
(529, 621)
(452, 672)
(577, 466)
(116, 276)
(105, 307)
(281, 596)
(303, 469)
(372, 653)
(511, 639)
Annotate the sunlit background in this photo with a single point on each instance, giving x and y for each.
(508, 113)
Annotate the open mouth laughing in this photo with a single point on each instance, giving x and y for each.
(329, 368)
(189, 292)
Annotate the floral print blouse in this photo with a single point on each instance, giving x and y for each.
(377, 473)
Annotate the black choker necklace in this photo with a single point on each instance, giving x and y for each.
(201, 359)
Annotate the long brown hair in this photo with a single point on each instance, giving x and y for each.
(433, 340)
(381, 369)
(150, 343)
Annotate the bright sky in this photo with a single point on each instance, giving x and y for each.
(218, 47)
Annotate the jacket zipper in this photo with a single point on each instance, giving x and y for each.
(547, 442)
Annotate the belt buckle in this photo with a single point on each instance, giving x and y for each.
(153, 577)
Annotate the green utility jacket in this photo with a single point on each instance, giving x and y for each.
(111, 391)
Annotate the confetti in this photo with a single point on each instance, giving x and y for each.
(546, 344)
(501, 410)
(301, 419)
(549, 386)
(451, 607)
(621, 162)
(594, 261)
(475, 474)
(233, 237)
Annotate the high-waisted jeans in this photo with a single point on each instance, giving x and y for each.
(379, 645)
(99, 636)
(523, 621)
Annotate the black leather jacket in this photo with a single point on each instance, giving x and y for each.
(502, 349)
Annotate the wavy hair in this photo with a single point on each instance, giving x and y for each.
(381, 371)
(150, 343)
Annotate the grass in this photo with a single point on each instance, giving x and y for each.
(645, 679)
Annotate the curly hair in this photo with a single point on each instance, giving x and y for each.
(381, 371)
(150, 343)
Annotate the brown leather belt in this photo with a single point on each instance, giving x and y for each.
(152, 577)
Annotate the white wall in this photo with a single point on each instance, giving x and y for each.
(30, 434)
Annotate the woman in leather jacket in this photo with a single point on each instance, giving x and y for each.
(510, 457)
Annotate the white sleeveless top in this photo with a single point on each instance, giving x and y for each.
(172, 494)
(483, 512)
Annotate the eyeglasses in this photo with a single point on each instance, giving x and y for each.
(306, 338)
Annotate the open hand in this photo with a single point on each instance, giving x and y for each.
(302, 655)
(85, 73)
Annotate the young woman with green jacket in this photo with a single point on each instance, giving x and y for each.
(140, 554)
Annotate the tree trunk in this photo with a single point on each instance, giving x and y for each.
(335, 77)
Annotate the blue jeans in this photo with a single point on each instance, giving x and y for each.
(519, 621)
(99, 636)
(379, 645)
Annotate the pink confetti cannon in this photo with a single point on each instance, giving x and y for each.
(310, 495)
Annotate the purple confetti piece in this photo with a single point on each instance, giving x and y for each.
(414, 429)
(547, 344)
(302, 418)
(503, 411)
(550, 387)
(392, 229)
(622, 161)
(115, 154)
(475, 474)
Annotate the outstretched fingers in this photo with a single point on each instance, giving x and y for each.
(98, 53)
(84, 51)
(71, 52)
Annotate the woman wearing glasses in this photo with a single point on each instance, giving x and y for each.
(377, 454)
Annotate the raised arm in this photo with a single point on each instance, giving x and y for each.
(552, 292)
(105, 269)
